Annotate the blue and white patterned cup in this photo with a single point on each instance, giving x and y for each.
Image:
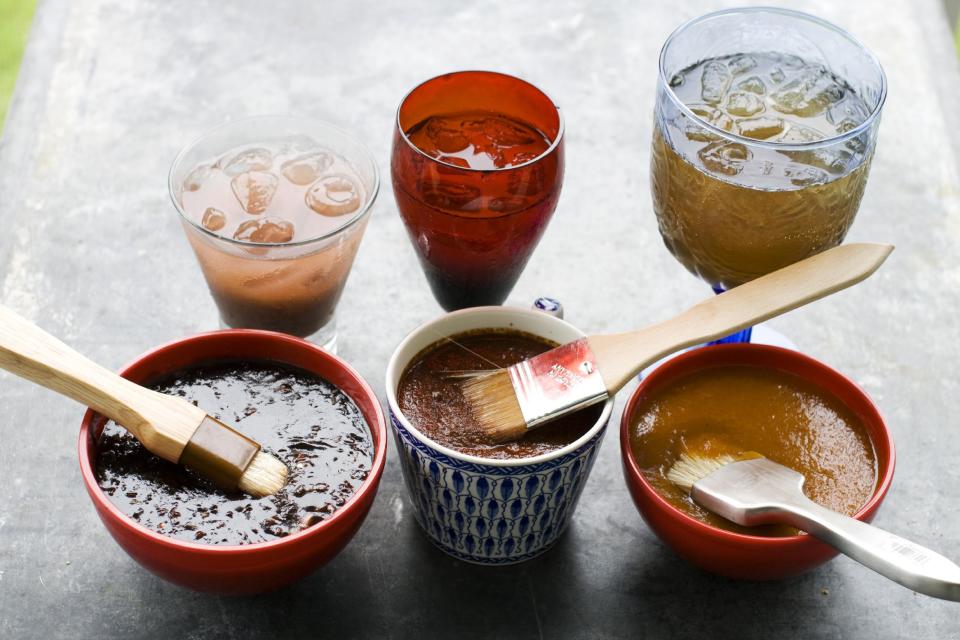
(483, 510)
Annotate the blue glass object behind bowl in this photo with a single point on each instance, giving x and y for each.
(744, 335)
(730, 207)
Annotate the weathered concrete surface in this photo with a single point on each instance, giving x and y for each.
(90, 249)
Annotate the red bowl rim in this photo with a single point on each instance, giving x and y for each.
(353, 503)
(886, 473)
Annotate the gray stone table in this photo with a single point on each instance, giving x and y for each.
(90, 249)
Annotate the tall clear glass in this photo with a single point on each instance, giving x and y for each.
(282, 282)
(765, 125)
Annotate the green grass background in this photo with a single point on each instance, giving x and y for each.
(15, 16)
(956, 35)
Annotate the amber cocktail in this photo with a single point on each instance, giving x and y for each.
(765, 125)
(477, 167)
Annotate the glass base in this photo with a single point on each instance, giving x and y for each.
(325, 337)
(759, 334)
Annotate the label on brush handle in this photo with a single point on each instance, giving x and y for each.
(219, 452)
(557, 382)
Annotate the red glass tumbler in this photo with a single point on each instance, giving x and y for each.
(475, 224)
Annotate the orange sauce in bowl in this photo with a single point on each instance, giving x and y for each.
(736, 409)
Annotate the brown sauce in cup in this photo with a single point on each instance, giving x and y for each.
(434, 403)
(737, 409)
(306, 422)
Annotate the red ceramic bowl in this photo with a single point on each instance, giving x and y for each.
(732, 554)
(240, 568)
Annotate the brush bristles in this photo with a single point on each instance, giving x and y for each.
(264, 476)
(690, 469)
(493, 401)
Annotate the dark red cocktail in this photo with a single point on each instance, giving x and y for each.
(477, 167)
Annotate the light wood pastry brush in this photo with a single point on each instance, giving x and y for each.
(169, 427)
(509, 402)
(752, 490)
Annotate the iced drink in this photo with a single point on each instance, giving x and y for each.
(731, 211)
(275, 224)
(477, 168)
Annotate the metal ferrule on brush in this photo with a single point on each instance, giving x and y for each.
(219, 452)
(557, 382)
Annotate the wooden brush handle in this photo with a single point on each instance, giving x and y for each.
(163, 424)
(622, 356)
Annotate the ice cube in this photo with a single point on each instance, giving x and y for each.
(791, 61)
(446, 134)
(831, 159)
(858, 144)
(696, 132)
(803, 175)
(761, 128)
(268, 229)
(846, 125)
(197, 177)
(705, 111)
(714, 82)
(693, 130)
(799, 134)
(789, 97)
(307, 168)
(778, 76)
(213, 219)
(455, 160)
(522, 157)
(334, 195)
(450, 196)
(725, 122)
(255, 159)
(532, 182)
(753, 84)
(741, 64)
(744, 104)
(797, 174)
(254, 190)
(809, 94)
(724, 157)
(504, 133)
(508, 204)
(848, 114)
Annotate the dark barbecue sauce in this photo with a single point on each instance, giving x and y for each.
(435, 404)
(303, 420)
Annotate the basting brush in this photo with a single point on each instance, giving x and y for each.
(752, 490)
(509, 402)
(169, 427)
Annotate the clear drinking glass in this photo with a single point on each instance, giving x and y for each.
(287, 271)
(765, 125)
